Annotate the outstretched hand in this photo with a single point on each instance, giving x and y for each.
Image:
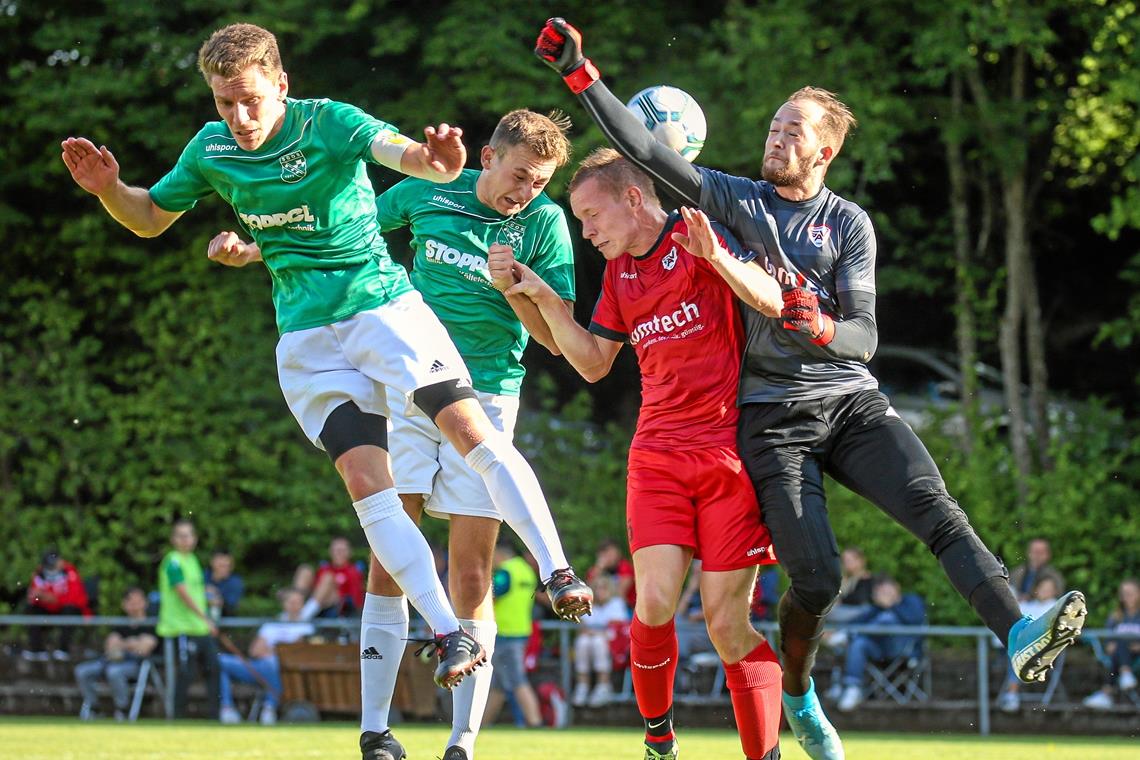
(93, 169)
(559, 45)
(701, 240)
(444, 149)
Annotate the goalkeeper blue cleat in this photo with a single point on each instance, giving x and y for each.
(811, 727)
(1035, 644)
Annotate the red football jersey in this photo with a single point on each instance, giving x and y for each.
(683, 322)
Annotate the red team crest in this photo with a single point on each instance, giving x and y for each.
(818, 234)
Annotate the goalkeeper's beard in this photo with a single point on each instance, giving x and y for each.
(787, 175)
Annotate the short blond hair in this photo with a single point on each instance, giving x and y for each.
(545, 136)
(614, 172)
(234, 48)
(837, 120)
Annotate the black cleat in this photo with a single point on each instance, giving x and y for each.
(459, 654)
(569, 596)
(455, 753)
(375, 746)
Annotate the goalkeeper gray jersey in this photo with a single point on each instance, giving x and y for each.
(825, 244)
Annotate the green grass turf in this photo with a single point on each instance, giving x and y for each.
(45, 739)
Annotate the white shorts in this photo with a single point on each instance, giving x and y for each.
(400, 346)
(425, 462)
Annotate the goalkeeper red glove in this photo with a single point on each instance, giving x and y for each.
(559, 45)
(801, 312)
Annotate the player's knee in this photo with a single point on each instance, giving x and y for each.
(816, 591)
(731, 635)
(655, 605)
(468, 586)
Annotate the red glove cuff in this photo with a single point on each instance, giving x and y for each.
(828, 331)
(582, 76)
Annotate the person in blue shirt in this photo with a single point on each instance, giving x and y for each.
(889, 606)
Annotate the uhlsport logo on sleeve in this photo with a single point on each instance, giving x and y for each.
(294, 167)
(818, 234)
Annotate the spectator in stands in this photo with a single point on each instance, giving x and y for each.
(1045, 593)
(55, 589)
(889, 606)
(338, 589)
(262, 660)
(592, 646)
(765, 595)
(854, 588)
(513, 584)
(1023, 578)
(611, 561)
(1122, 655)
(183, 620)
(124, 650)
(224, 588)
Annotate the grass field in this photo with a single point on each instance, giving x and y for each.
(44, 739)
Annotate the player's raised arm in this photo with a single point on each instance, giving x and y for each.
(96, 170)
(501, 266)
(440, 158)
(748, 280)
(559, 45)
(591, 355)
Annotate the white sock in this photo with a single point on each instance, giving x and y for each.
(517, 494)
(383, 638)
(405, 554)
(469, 698)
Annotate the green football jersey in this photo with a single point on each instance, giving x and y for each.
(451, 233)
(174, 617)
(306, 199)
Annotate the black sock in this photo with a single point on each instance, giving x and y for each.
(996, 605)
(661, 727)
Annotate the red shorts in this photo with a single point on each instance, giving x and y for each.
(702, 499)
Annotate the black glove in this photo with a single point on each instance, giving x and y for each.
(559, 45)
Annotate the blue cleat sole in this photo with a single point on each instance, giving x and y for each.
(1033, 660)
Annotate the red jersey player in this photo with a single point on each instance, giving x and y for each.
(666, 292)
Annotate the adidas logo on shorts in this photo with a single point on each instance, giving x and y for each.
(437, 366)
(371, 654)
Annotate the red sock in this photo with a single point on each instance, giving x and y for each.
(754, 684)
(653, 663)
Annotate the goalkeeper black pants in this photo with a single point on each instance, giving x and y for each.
(861, 442)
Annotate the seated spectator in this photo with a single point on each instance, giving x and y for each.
(55, 589)
(692, 634)
(854, 588)
(124, 649)
(338, 588)
(889, 606)
(592, 646)
(1023, 578)
(262, 660)
(1123, 654)
(513, 584)
(611, 561)
(224, 588)
(1046, 591)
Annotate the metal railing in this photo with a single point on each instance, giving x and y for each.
(349, 627)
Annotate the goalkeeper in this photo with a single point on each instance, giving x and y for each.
(809, 406)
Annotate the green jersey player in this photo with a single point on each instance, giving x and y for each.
(350, 323)
(459, 231)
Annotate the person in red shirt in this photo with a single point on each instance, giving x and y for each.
(55, 589)
(609, 561)
(338, 590)
(671, 290)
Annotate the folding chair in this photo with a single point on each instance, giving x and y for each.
(148, 673)
(906, 678)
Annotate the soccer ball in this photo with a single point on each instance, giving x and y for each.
(673, 117)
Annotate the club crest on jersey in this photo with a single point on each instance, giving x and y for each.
(511, 234)
(670, 259)
(294, 167)
(818, 234)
